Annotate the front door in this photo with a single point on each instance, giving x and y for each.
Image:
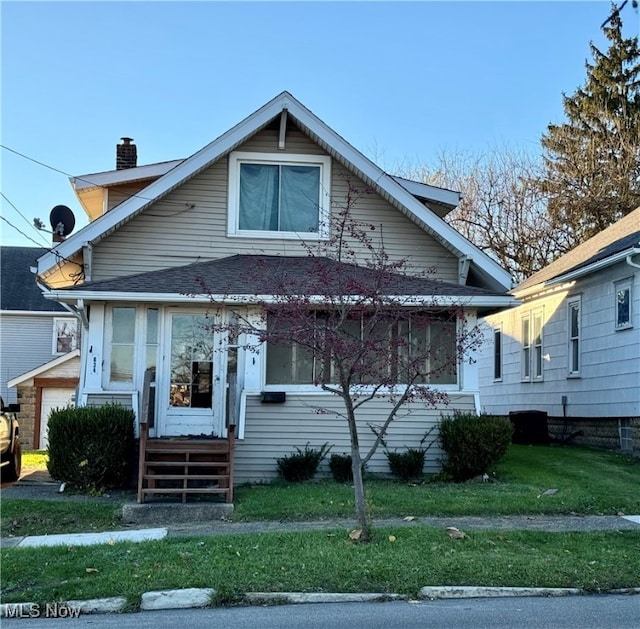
(191, 388)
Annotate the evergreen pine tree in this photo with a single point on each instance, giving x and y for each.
(592, 161)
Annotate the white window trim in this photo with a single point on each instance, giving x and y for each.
(364, 388)
(573, 301)
(54, 340)
(528, 363)
(537, 315)
(118, 385)
(498, 330)
(525, 358)
(233, 205)
(617, 286)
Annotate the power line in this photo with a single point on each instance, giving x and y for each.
(66, 174)
(22, 215)
(8, 222)
(73, 276)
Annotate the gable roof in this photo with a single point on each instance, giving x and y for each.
(608, 247)
(37, 371)
(250, 278)
(18, 288)
(325, 137)
(124, 175)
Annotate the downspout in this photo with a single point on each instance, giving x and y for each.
(78, 311)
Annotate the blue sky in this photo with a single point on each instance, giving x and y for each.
(401, 81)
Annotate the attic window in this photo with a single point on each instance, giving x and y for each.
(276, 196)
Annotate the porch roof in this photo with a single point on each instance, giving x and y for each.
(258, 276)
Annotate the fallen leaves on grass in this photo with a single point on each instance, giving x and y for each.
(455, 533)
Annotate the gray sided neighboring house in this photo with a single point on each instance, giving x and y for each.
(34, 331)
(572, 348)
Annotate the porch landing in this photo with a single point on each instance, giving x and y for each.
(163, 513)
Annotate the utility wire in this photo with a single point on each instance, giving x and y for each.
(22, 215)
(60, 258)
(8, 222)
(66, 174)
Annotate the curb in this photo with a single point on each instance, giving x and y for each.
(453, 591)
(201, 597)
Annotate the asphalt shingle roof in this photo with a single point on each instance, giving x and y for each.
(19, 290)
(273, 275)
(622, 235)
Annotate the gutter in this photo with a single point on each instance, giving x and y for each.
(78, 296)
(634, 252)
(595, 266)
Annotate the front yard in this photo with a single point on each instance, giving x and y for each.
(530, 480)
(400, 559)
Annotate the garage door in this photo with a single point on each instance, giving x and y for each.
(52, 398)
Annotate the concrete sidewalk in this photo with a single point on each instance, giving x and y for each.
(551, 524)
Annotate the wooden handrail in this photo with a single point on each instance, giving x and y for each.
(231, 436)
(144, 433)
(149, 375)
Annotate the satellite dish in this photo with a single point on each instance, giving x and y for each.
(62, 221)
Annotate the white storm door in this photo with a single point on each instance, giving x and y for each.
(191, 396)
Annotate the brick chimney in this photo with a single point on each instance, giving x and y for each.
(126, 154)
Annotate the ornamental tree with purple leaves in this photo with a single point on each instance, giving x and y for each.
(351, 319)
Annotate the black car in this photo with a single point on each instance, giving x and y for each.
(10, 452)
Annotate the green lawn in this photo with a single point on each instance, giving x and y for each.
(400, 559)
(324, 562)
(587, 482)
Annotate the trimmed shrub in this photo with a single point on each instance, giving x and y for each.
(473, 443)
(341, 468)
(91, 447)
(407, 465)
(303, 464)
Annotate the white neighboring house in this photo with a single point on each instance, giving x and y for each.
(572, 348)
(156, 229)
(35, 334)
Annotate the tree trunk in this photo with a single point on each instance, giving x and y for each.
(362, 517)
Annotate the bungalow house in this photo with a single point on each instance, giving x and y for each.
(39, 359)
(158, 230)
(572, 348)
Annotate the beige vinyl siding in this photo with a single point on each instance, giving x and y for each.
(101, 399)
(69, 369)
(122, 192)
(191, 222)
(275, 430)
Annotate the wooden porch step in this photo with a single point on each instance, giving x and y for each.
(185, 464)
(186, 477)
(196, 464)
(185, 490)
(186, 451)
(159, 445)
